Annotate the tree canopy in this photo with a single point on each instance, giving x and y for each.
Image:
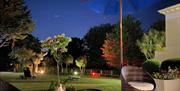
(131, 32)
(15, 22)
(93, 41)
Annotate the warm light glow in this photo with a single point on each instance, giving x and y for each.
(75, 73)
(42, 71)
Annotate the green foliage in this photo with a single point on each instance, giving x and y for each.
(22, 54)
(52, 86)
(15, 22)
(172, 63)
(111, 47)
(151, 41)
(151, 65)
(57, 46)
(167, 75)
(70, 88)
(131, 33)
(68, 59)
(93, 41)
(81, 62)
(76, 48)
(159, 25)
(30, 42)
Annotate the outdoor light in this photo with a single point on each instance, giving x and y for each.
(93, 74)
(75, 73)
(42, 71)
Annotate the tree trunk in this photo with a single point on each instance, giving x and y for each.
(58, 73)
(36, 68)
(13, 43)
(33, 70)
(66, 68)
(62, 70)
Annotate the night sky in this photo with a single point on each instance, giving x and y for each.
(71, 17)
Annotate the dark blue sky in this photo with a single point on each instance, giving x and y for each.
(71, 17)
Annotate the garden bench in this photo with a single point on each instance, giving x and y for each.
(71, 77)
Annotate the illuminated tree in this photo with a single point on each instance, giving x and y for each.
(150, 42)
(57, 46)
(131, 33)
(94, 40)
(81, 62)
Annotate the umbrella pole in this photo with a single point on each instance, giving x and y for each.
(121, 44)
(121, 38)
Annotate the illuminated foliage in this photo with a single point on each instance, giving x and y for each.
(151, 41)
(57, 46)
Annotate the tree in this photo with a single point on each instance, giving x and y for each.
(158, 25)
(57, 46)
(75, 48)
(111, 49)
(15, 22)
(24, 56)
(81, 62)
(93, 41)
(131, 33)
(150, 42)
(68, 59)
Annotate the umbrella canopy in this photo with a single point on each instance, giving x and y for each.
(119, 7)
(111, 7)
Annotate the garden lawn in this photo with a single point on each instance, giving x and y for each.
(42, 82)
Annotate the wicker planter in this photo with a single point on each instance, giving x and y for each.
(167, 85)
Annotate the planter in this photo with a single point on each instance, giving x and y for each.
(167, 85)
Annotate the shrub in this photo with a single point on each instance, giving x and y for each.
(52, 86)
(70, 88)
(172, 63)
(167, 75)
(151, 65)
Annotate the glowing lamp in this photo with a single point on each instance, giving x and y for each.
(75, 73)
(42, 71)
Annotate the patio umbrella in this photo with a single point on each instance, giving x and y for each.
(119, 7)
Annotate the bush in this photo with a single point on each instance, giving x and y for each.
(172, 63)
(70, 88)
(167, 75)
(151, 65)
(52, 86)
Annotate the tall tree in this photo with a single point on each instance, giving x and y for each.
(15, 22)
(75, 48)
(94, 40)
(57, 46)
(111, 49)
(151, 41)
(131, 32)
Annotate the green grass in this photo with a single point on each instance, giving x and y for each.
(42, 82)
